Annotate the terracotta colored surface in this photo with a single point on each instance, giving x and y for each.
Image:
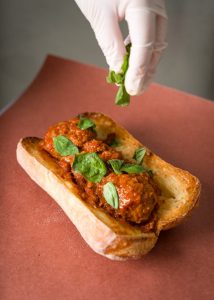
(42, 255)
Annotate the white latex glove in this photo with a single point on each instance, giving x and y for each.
(147, 23)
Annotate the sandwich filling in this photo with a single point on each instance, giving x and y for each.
(104, 179)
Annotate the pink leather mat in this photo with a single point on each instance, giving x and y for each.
(42, 254)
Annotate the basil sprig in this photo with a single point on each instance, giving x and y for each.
(116, 165)
(132, 168)
(110, 194)
(119, 166)
(64, 146)
(90, 165)
(114, 77)
(139, 154)
(85, 123)
(122, 97)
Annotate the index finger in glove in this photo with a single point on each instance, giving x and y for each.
(103, 18)
(110, 39)
(142, 26)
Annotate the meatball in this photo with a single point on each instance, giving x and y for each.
(77, 135)
(104, 151)
(94, 146)
(66, 163)
(71, 131)
(137, 197)
(61, 128)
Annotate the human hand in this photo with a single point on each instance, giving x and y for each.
(147, 23)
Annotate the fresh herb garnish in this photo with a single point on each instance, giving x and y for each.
(90, 165)
(85, 123)
(110, 194)
(116, 165)
(139, 154)
(119, 166)
(114, 77)
(122, 97)
(132, 168)
(64, 146)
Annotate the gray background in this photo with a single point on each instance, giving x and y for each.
(30, 29)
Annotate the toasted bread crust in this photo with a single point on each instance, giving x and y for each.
(104, 234)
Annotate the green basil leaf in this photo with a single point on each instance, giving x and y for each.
(90, 165)
(119, 78)
(111, 77)
(122, 97)
(125, 64)
(139, 154)
(132, 168)
(115, 77)
(116, 164)
(64, 146)
(110, 194)
(85, 123)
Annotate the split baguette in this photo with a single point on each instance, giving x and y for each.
(104, 234)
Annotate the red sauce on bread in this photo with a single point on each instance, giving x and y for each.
(138, 194)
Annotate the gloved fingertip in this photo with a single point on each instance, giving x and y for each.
(116, 65)
(134, 84)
